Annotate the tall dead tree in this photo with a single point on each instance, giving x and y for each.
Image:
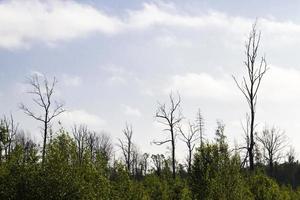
(273, 141)
(170, 117)
(251, 83)
(127, 146)
(42, 92)
(189, 139)
(200, 126)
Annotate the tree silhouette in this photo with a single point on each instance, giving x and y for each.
(251, 83)
(42, 92)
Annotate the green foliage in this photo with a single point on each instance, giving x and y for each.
(264, 188)
(215, 175)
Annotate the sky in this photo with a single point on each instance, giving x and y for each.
(115, 60)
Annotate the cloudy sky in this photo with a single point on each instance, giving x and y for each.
(115, 60)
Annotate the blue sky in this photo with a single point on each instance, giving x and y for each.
(115, 59)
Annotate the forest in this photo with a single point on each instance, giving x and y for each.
(79, 163)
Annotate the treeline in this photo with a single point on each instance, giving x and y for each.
(87, 170)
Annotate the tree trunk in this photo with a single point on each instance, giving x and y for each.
(251, 146)
(173, 154)
(44, 142)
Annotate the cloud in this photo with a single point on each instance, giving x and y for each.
(130, 111)
(116, 79)
(172, 41)
(201, 85)
(162, 15)
(72, 81)
(281, 85)
(25, 21)
(69, 118)
(36, 73)
(118, 75)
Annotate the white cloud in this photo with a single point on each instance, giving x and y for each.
(130, 111)
(159, 15)
(201, 85)
(118, 75)
(50, 21)
(36, 73)
(72, 81)
(24, 22)
(69, 118)
(172, 41)
(117, 79)
(281, 85)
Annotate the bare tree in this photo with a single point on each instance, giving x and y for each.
(80, 134)
(42, 92)
(251, 83)
(91, 143)
(246, 129)
(11, 128)
(189, 139)
(3, 133)
(220, 136)
(145, 158)
(200, 126)
(104, 145)
(273, 141)
(170, 117)
(28, 146)
(158, 161)
(127, 145)
(291, 155)
(99, 144)
(136, 157)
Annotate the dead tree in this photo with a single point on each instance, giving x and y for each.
(27, 145)
(251, 83)
(170, 117)
(158, 161)
(91, 143)
(200, 126)
(80, 134)
(189, 139)
(145, 162)
(273, 141)
(135, 162)
(221, 137)
(3, 133)
(242, 150)
(42, 92)
(291, 155)
(127, 146)
(99, 144)
(104, 146)
(11, 128)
